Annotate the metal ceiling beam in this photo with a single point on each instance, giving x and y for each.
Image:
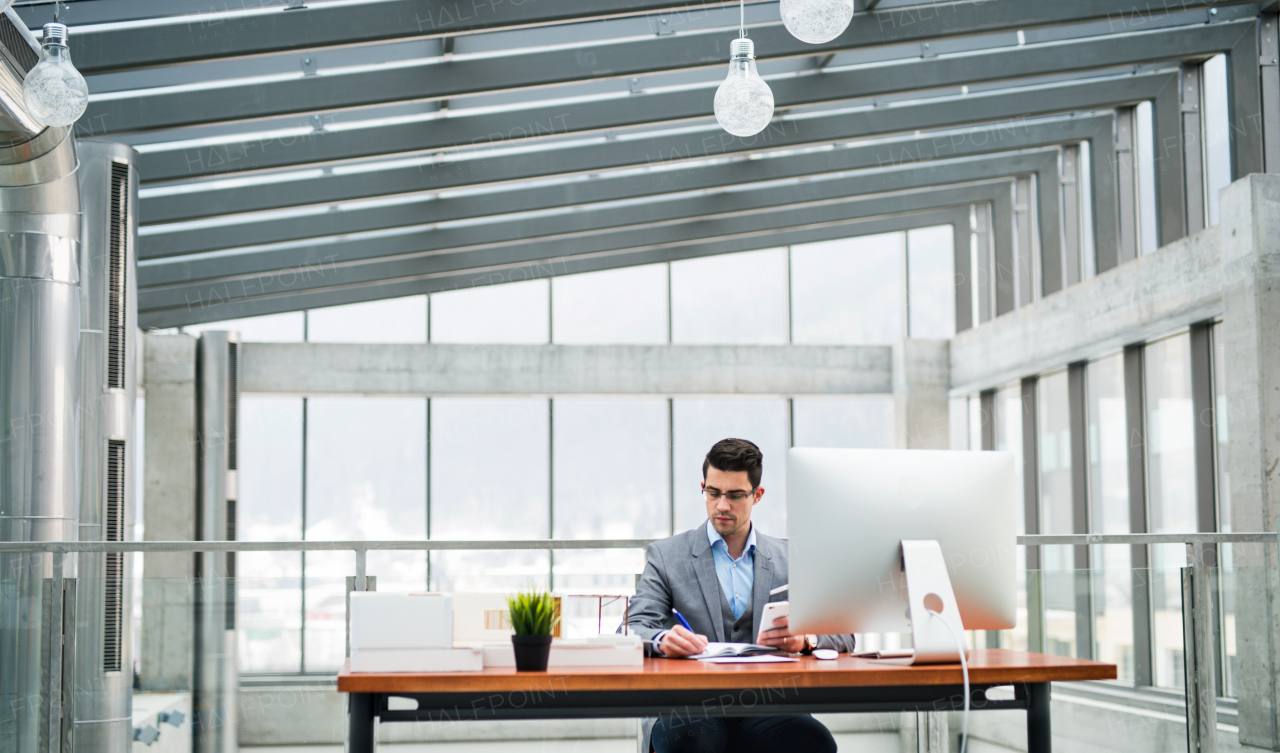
(587, 233)
(957, 217)
(1247, 121)
(1000, 137)
(559, 119)
(218, 35)
(665, 148)
(540, 68)
(575, 226)
(191, 39)
(774, 229)
(80, 13)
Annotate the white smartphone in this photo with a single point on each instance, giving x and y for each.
(772, 611)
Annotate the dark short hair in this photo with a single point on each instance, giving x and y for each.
(731, 455)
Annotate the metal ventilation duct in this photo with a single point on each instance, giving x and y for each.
(109, 381)
(217, 675)
(39, 402)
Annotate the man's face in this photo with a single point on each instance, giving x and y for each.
(729, 516)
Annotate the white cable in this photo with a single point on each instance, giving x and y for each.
(964, 671)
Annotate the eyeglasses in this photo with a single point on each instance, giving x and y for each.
(714, 495)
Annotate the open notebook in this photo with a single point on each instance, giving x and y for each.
(723, 650)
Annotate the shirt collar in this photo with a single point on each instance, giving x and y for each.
(713, 536)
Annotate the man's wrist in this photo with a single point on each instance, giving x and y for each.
(809, 643)
(657, 646)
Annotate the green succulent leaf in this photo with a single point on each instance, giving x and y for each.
(533, 613)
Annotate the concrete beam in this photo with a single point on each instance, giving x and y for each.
(169, 508)
(922, 418)
(1176, 286)
(1251, 342)
(344, 369)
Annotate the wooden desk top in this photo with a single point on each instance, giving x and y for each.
(986, 667)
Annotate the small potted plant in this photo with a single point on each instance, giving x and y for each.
(534, 618)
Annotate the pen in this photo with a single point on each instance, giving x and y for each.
(683, 621)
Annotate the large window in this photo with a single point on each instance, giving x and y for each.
(518, 312)
(843, 422)
(615, 306)
(1112, 585)
(931, 282)
(1171, 490)
(611, 469)
(270, 509)
(1008, 435)
(536, 467)
(1217, 133)
(611, 479)
(873, 289)
(1222, 463)
(327, 468)
(1056, 515)
(701, 423)
(849, 292)
(366, 479)
(735, 298)
(490, 479)
(399, 320)
(1137, 410)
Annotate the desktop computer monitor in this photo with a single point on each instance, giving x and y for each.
(848, 512)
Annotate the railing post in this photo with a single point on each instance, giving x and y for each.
(1199, 652)
(358, 583)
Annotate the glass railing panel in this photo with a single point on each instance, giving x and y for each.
(1168, 660)
(490, 570)
(1060, 583)
(1230, 580)
(25, 591)
(595, 585)
(270, 611)
(1111, 594)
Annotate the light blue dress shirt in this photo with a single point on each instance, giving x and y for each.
(736, 576)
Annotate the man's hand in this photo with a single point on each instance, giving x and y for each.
(779, 636)
(680, 641)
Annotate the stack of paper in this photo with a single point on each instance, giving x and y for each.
(601, 651)
(417, 660)
(406, 633)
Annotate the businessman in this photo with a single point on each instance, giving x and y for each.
(719, 576)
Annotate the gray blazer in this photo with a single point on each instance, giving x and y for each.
(680, 572)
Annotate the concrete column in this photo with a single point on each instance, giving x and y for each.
(169, 510)
(1250, 242)
(921, 377)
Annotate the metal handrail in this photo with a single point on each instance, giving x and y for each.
(1079, 539)
(68, 547)
(316, 546)
(1201, 698)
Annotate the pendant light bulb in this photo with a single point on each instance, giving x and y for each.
(744, 102)
(816, 21)
(54, 91)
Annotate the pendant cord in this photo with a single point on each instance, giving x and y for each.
(742, 18)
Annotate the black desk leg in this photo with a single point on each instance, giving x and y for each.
(360, 723)
(1039, 737)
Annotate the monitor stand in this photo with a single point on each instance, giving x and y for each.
(929, 588)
